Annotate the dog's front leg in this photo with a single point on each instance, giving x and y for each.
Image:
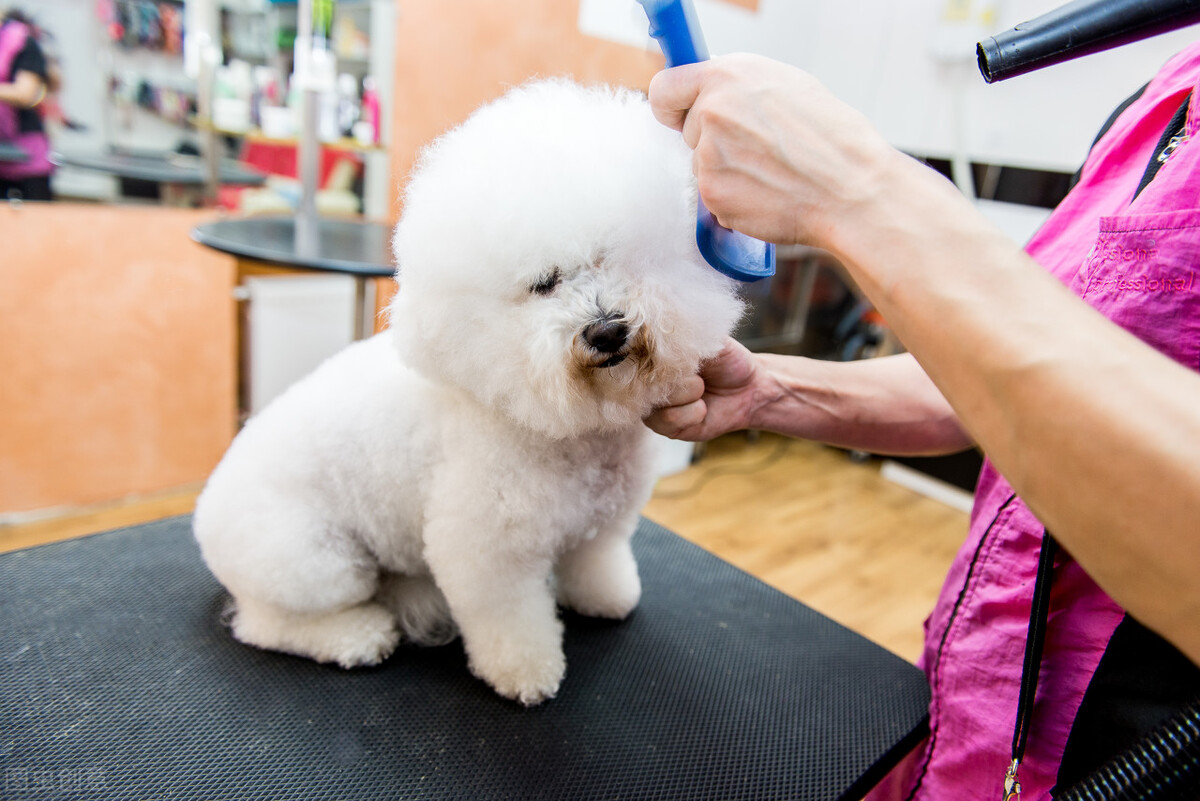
(599, 576)
(504, 606)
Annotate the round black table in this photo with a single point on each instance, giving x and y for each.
(353, 247)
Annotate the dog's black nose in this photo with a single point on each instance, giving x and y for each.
(606, 336)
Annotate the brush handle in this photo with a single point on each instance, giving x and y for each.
(674, 25)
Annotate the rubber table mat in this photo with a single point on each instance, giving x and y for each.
(118, 681)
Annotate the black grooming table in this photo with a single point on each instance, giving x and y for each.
(117, 681)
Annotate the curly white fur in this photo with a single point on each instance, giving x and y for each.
(484, 458)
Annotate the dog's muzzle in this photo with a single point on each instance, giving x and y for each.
(609, 338)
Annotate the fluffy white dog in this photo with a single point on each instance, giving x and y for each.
(485, 457)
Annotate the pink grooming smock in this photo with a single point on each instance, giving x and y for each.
(1137, 262)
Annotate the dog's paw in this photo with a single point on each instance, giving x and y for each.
(614, 601)
(526, 677)
(607, 587)
(356, 637)
(369, 637)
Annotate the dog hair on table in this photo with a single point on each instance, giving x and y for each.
(483, 460)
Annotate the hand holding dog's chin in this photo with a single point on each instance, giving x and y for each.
(720, 399)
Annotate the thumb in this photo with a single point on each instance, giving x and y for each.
(673, 92)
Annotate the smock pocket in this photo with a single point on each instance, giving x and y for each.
(1144, 274)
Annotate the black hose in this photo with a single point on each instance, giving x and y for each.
(1078, 29)
(1162, 766)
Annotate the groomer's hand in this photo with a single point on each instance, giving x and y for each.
(718, 400)
(777, 156)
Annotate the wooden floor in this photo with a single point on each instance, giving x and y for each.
(823, 529)
(801, 517)
(105, 517)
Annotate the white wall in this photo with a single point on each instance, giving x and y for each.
(878, 56)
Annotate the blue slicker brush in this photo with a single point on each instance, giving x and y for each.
(673, 23)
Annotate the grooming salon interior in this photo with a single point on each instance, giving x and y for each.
(200, 202)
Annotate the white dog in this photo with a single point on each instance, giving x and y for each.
(486, 456)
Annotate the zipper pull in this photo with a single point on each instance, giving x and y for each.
(1172, 144)
(1012, 786)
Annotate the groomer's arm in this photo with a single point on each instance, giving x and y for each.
(883, 405)
(1099, 433)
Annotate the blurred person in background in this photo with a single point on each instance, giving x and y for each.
(25, 81)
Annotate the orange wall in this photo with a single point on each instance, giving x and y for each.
(117, 351)
(451, 57)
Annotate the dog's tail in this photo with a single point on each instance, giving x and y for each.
(420, 608)
(228, 611)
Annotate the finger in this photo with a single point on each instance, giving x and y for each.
(674, 91)
(688, 390)
(729, 350)
(731, 368)
(673, 421)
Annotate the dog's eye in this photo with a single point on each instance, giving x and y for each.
(546, 285)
